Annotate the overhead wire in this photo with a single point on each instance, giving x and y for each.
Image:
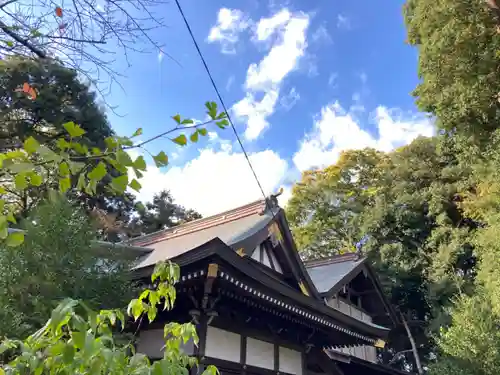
(219, 96)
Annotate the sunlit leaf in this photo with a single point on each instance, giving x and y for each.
(98, 172)
(64, 169)
(137, 132)
(64, 184)
(177, 119)
(20, 181)
(140, 163)
(194, 137)
(15, 239)
(35, 179)
(31, 145)
(222, 123)
(161, 160)
(123, 158)
(73, 129)
(203, 131)
(119, 183)
(134, 184)
(181, 140)
(187, 121)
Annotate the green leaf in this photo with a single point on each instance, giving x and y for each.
(119, 183)
(78, 339)
(81, 149)
(64, 184)
(98, 173)
(10, 218)
(194, 137)
(161, 159)
(222, 123)
(64, 169)
(177, 118)
(20, 181)
(187, 121)
(9, 43)
(48, 154)
(31, 145)
(35, 179)
(62, 144)
(181, 140)
(203, 131)
(73, 129)
(20, 167)
(123, 158)
(137, 132)
(134, 184)
(140, 163)
(15, 239)
(211, 109)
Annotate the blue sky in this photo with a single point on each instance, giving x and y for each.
(304, 81)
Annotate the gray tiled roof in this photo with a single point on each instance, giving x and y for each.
(326, 275)
(230, 232)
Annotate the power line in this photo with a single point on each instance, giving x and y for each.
(220, 99)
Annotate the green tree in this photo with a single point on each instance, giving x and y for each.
(75, 341)
(59, 258)
(458, 44)
(403, 209)
(161, 213)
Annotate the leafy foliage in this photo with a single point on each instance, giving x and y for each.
(458, 44)
(59, 258)
(81, 341)
(403, 210)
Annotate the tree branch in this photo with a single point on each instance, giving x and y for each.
(5, 28)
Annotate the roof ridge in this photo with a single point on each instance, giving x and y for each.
(338, 258)
(256, 207)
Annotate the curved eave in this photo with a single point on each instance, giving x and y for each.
(222, 250)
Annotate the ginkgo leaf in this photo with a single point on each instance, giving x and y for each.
(181, 140)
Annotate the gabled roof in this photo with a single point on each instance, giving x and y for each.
(326, 274)
(231, 227)
(216, 249)
(329, 275)
(241, 228)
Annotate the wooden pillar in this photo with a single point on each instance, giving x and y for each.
(199, 351)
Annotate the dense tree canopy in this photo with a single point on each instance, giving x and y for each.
(403, 210)
(459, 65)
(58, 259)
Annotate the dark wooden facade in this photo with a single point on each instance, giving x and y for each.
(256, 315)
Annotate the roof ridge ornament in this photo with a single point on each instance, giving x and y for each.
(271, 202)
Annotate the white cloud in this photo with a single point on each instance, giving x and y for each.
(336, 130)
(256, 112)
(266, 76)
(343, 22)
(216, 180)
(321, 35)
(283, 57)
(230, 23)
(270, 26)
(290, 99)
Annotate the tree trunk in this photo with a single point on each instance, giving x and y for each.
(413, 346)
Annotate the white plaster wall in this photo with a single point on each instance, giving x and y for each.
(290, 361)
(260, 353)
(151, 343)
(223, 344)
